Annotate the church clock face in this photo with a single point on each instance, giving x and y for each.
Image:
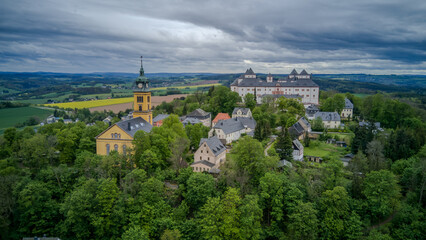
(140, 85)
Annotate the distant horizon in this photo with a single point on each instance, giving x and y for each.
(211, 73)
(324, 37)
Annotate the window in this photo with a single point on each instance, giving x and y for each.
(200, 157)
(119, 136)
(116, 147)
(107, 149)
(124, 149)
(140, 99)
(303, 90)
(148, 98)
(208, 159)
(116, 135)
(307, 95)
(201, 151)
(140, 107)
(112, 135)
(207, 151)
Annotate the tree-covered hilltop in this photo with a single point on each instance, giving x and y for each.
(53, 183)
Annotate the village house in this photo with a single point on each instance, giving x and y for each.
(299, 129)
(228, 130)
(158, 120)
(297, 150)
(348, 110)
(331, 120)
(107, 120)
(241, 112)
(191, 121)
(210, 154)
(295, 84)
(220, 116)
(203, 116)
(310, 111)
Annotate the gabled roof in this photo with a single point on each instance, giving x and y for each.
(131, 126)
(270, 75)
(198, 113)
(160, 117)
(204, 162)
(297, 145)
(296, 129)
(249, 72)
(348, 104)
(328, 116)
(191, 120)
(312, 108)
(229, 125)
(221, 116)
(294, 72)
(248, 122)
(135, 124)
(244, 111)
(214, 144)
(303, 72)
(303, 120)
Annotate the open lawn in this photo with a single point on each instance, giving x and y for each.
(322, 149)
(11, 116)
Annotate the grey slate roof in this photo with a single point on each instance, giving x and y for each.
(248, 122)
(160, 117)
(229, 125)
(348, 104)
(312, 108)
(255, 82)
(249, 72)
(296, 129)
(135, 124)
(244, 111)
(204, 162)
(199, 113)
(191, 120)
(303, 72)
(294, 72)
(214, 144)
(297, 145)
(282, 95)
(328, 116)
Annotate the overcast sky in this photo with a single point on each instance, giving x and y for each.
(220, 36)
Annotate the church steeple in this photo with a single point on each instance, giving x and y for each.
(142, 82)
(141, 71)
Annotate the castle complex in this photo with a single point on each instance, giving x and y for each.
(295, 85)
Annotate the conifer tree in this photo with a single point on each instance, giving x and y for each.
(284, 145)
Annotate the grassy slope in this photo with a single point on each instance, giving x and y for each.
(322, 149)
(11, 116)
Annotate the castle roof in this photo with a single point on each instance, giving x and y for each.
(294, 72)
(303, 72)
(197, 113)
(249, 72)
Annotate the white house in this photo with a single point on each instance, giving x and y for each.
(329, 119)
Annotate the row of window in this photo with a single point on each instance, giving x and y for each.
(259, 89)
(140, 99)
(208, 158)
(201, 169)
(140, 107)
(116, 135)
(108, 148)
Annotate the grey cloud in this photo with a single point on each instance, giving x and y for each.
(213, 36)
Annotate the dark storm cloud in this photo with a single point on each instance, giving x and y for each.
(376, 36)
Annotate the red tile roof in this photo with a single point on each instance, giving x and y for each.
(221, 116)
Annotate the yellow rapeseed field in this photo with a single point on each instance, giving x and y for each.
(106, 102)
(90, 104)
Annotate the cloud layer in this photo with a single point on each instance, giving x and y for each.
(333, 36)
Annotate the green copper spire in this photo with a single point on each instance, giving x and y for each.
(142, 82)
(141, 71)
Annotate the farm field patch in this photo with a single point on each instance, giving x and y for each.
(11, 116)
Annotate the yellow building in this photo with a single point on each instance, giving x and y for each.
(119, 137)
(142, 97)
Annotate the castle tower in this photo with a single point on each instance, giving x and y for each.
(142, 97)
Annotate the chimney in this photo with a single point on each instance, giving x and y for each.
(128, 126)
